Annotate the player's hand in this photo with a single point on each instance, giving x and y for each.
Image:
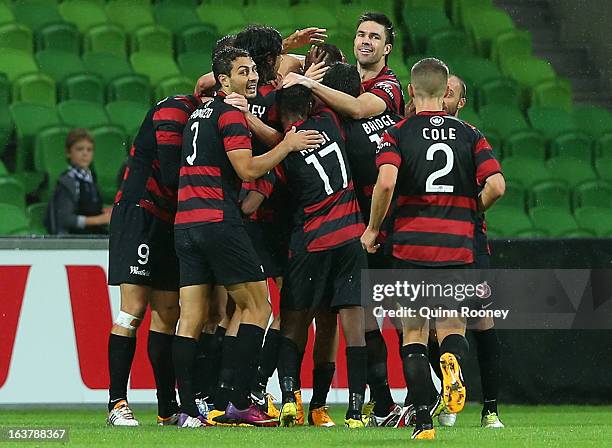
(293, 78)
(300, 38)
(368, 240)
(238, 101)
(299, 140)
(316, 71)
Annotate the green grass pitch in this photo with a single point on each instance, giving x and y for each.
(526, 426)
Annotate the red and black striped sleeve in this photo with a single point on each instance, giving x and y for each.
(388, 150)
(234, 130)
(484, 159)
(169, 120)
(390, 92)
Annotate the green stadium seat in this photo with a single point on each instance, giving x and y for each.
(6, 13)
(305, 15)
(527, 144)
(83, 13)
(175, 17)
(131, 87)
(551, 193)
(36, 217)
(6, 127)
(225, 18)
(527, 172)
(35, 14)
(82, 114)
(593, 120)
(233, 3)
(471, 116)
(3, 170)
(83, 86)
(462, 8)
(348, 16)
(552, 94)
(13, 220)
(422, 23)
(572, 144)
(16, 36)
(155, 66)
(197, 38)
(281, 18)
(127, 114)
(35, 88)
(5, 90)
(15, 63)
(511, 45)
(579, 233)
(50, 155)
(107, 38)
(438, 5)
(507, 221)
(513, 197)
(130, 14)
(193, 65)
(551, 121)
(59, 64)
(532, 233)
(29, 120)
(484, 25)
(12, 192)
(556, 220)
(596, 219)
(603, 145)
(499, 91)
(572, 171)
(529, 72)
(603, 166)
(59, 36)
(179, 85)
(505, 120)
(449, 44)
(593, 194)
(108, 66)
(109, 156)
(474, 70)
(152, 38)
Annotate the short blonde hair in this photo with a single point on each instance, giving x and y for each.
(429, 78)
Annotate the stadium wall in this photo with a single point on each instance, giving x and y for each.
(57, 311)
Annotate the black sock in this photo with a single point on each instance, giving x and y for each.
(489, 357)
(433, 349)
(455, 344)
(268, 360)
(248, 345)
(159, 349)
(288, 368)
(298, 378)
(120, 356)
(184, 351)
(377, 372)
(418, 375)
(199, 380)
(357, 371)
(213, 365)
(322, 376)
(225, 386)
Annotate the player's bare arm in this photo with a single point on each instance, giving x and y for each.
(250, 168)
(266, 134)
(494, 189)
(251, 202)
(381, 200)
(364, 106)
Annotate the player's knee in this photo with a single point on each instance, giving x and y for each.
(127, 321)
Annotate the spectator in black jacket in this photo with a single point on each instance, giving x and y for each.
(76, 205)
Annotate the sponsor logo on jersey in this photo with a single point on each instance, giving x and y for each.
(135, 270)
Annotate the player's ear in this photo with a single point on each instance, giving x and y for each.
(387, 49)
(224, 80)
(461, 103)
(410, 90)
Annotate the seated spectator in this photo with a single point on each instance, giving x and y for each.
(76, 206)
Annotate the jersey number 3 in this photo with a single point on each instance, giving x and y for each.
(195, 127)
(313, 160)
(430, 187)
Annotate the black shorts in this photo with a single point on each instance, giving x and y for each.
(217, 253)
(271, 244)
(329, 279)
(379, 260)
(141, 249)
(482, 260)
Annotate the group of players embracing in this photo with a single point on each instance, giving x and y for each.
(285, 169)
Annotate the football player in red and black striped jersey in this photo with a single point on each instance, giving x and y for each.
(436, 211)
(142, 259)
(211, 242)
(325, 256)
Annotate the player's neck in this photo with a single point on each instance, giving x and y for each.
(368, 72)
(290, 119)
(428, 104)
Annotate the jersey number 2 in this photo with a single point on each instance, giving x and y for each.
(313, 160)
(195, 127)
(430, 187)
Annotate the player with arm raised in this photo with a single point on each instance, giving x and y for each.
(211, 242)
(435, 163)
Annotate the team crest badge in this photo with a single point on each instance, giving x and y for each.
(436, 120)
